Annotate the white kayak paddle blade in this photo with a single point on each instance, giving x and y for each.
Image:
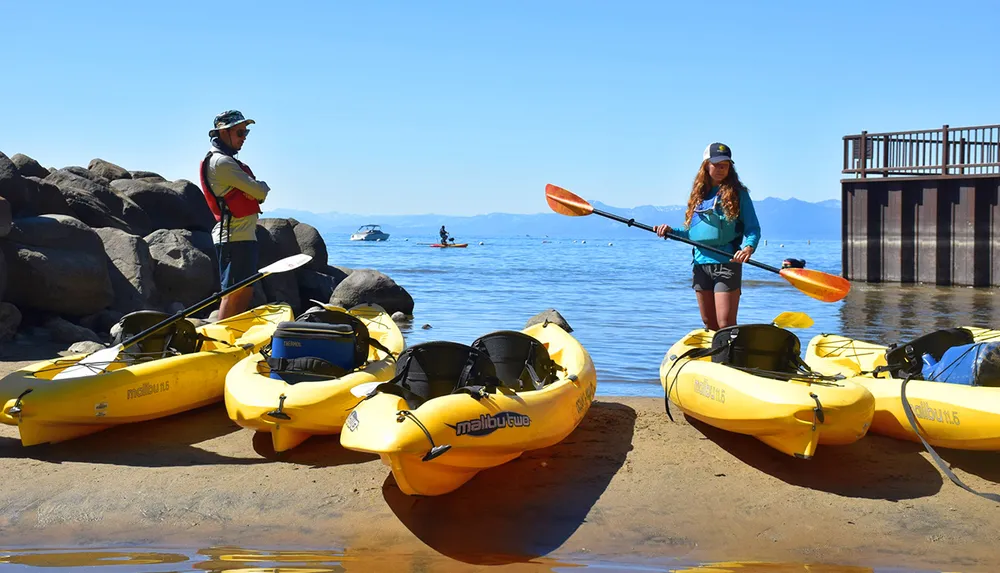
(92, 364)
(362, 390)
(287, 264)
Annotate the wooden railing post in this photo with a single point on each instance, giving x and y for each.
(862, 155)
(885, 156)
(961, 155)
(944, 150)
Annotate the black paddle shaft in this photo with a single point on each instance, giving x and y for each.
(633, 223)
(192, 309)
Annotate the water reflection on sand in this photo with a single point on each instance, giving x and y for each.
(236, 559)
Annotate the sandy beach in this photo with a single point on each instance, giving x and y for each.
(628, 482)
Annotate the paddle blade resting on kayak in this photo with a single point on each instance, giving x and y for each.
(819, 285)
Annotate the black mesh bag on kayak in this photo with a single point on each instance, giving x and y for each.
(521, 361)
(907, 359)
(758, 346)
(434, 369)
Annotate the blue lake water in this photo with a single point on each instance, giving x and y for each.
(628, 300)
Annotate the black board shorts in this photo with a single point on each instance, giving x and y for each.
(718, 277)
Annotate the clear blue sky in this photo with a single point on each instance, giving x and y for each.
(472, 107)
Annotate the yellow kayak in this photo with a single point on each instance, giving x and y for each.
(753, 383)
(152, 379)
(444, 418)
(292, 408)
(948, 415)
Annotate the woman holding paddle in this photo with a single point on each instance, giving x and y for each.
(720, 214)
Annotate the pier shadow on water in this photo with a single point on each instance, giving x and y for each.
(316, 452)
(527, 507)
(875, 467)
(887, 313)
(164, 442)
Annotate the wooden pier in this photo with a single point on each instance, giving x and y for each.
(922, 206)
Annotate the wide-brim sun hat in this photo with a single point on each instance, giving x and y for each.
(228, 119)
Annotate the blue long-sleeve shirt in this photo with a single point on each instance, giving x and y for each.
(710, 226)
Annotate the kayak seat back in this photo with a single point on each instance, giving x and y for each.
(907, 359)
(434, 369)
(757, 346)
(522, 362)
(177, 338)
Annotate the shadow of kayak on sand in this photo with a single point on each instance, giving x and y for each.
(164, 442)
(527, 507)
(874, 467)
(316, 452)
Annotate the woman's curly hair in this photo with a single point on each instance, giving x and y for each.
(729, 193)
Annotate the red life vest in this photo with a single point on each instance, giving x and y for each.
(235, 202)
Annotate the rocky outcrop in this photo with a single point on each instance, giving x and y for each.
(28, 167)
(108, 170)
(369, 285)
(552, 316)
(131, 268)
(58, 265)
(82, 246)
(182, 272)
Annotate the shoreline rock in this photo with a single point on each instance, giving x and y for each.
(78, 243)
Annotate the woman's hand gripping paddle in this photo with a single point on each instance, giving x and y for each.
(819, 285)
(98, 362)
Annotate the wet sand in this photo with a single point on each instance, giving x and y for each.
(628, 484)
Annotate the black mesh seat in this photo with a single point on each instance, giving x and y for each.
(521, 361)
(434, 369)
(179, 337)
(762, 347)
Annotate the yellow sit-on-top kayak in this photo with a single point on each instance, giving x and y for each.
(176, 369)
(750, 379)
(453, 410)
(949, 415)
(293, 404)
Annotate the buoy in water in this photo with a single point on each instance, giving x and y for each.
(781, 246)
(611, 244)
(480, 242)
(583, 242)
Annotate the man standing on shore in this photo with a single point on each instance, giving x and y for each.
(234, 196)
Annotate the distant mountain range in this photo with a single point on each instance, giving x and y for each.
(780, 219)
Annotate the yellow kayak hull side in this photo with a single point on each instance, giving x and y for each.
(313, 408)
(948, 415)
(57, 410)
(777, 412)
(534, 419)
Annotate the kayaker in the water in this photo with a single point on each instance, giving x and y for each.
(444, 236)
(720, 214)
(234, 196)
